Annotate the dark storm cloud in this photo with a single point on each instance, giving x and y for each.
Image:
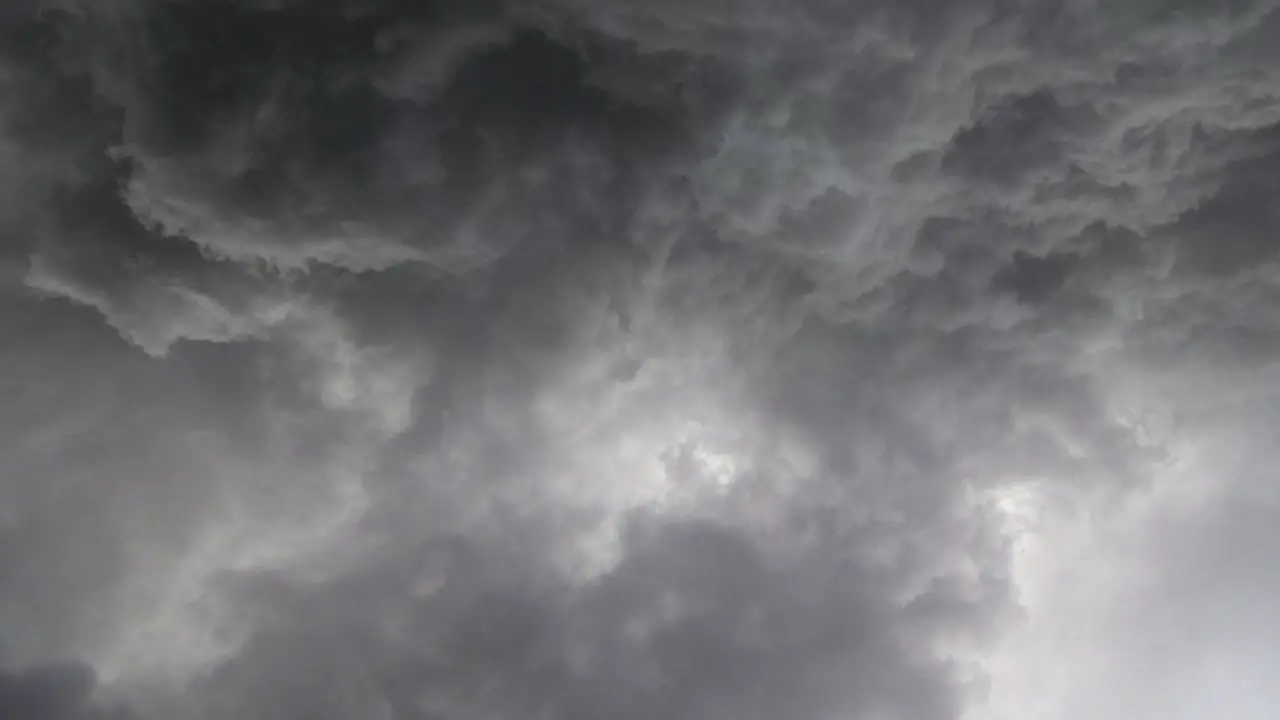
(292, 134)
(55, 692)
(695, 622)
(581, 358)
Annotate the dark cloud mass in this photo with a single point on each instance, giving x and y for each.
(685, 359)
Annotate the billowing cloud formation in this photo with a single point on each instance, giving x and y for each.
(679, 359)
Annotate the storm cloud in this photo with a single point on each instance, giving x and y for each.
(686, 359)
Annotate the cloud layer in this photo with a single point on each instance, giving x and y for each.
(677, 359)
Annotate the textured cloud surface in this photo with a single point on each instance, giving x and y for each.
(682, 359)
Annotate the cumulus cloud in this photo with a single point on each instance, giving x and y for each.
(690, 359)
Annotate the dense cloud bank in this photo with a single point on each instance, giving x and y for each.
(682, 359)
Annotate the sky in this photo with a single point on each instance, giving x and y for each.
(685, 359)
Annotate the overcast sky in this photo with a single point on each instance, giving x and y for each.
(663, 360)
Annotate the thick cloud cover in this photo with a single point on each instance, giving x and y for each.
(587, 358)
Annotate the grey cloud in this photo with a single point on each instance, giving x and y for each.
(585, 358)
(56, 692)
(695, 622)
(296, 143)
